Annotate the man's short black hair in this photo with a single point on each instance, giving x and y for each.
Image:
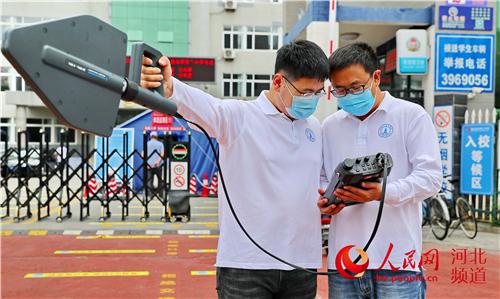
(356, 53)
(302, 59)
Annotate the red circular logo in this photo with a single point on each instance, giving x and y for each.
(344, 263)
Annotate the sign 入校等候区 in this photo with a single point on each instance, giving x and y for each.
(477, 159)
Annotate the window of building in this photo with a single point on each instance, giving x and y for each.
(68, 133)
(232, 85)
(7, 129)
(276, 37)
(36, 129)
(255, 84)
(9, 79)
(262, 38)
(233, 36)
(4, 134)
(248, 85)
(252, 37)
(6, 79)
(35, 134)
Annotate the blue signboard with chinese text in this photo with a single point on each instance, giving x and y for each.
(466, 18)
(464, 61)
(477, 157)
(413, 65)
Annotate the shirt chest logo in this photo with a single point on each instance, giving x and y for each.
(385, 130)
(310, 135)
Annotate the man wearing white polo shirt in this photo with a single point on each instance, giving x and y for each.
(373, 121)
(270, 154)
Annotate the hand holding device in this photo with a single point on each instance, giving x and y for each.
(326, 209)
(155, 71)
(368, 191)
(355, 172)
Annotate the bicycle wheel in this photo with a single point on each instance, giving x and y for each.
(425, 212)
(468, 222)
(439, 218)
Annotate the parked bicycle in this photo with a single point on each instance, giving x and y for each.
(445, 216)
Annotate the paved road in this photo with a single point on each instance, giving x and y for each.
(90, 259)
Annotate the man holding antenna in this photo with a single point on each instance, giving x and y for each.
(270, 155)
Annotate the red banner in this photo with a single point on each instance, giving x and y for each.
(161, 120)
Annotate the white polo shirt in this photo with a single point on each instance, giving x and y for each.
(272, 170)
(405, 131)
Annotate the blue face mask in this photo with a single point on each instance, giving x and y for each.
(302, 107)
(358, 104)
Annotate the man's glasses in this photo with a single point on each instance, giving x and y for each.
(342, 92)
(304, 94)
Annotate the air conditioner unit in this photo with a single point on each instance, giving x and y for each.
(230, 5)
(229, 54)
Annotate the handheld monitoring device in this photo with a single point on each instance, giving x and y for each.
(76, 66)
(353, 172)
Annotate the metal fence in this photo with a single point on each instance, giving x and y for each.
(39, 175)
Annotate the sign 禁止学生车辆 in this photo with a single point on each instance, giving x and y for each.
(464, 62)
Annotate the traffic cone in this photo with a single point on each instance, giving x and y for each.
(112, 187)
(123, 188)
(214, 186)
(204, 189)
(90, 189)
(193, 188)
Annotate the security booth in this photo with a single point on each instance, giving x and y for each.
(188, 156)
(169, 180)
